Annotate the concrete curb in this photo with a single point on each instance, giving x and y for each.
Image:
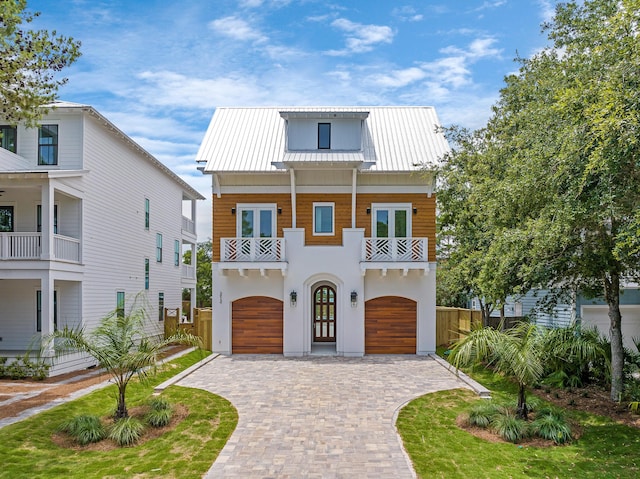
(478, 388)
(171, 381)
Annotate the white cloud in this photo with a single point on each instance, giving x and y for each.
(250, 3)
(237, 28)
(487, 5)
(547, 10)
(360, 38)
(407, 14)
(400, 78)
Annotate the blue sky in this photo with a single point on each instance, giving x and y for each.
(158, 68)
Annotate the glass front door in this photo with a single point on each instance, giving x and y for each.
(324, 315)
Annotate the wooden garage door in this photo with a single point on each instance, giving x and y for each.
(256, 326)
(390, 326)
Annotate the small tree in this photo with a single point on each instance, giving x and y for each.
(121, 345)
(521, 353)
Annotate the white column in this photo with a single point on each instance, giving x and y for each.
(47, 221)
(353, 197)
(293, 198)
(46, 288)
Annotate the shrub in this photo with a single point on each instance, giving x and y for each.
(160, 412)
(126, 431)
(550, 424)
(23, 367)
(159, 403)
(509, 427)
(84, 429)
(482, 413)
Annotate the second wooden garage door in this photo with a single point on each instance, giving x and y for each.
(390, 326)
(256, 326)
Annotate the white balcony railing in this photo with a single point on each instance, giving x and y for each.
(188, 271)
(188, 225)
(66, 248)
(394, 249)
(251, 249)
(28, 246)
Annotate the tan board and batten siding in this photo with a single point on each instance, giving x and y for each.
(390, 325)
(257, 325)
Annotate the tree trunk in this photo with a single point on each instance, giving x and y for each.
(121, 411)
(486, 313)
(522, 411)
(612, 296)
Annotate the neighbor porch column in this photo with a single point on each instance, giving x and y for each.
(46, 200)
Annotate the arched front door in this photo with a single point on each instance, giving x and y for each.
(324, 314)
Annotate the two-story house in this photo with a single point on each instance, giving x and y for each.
(323, 229)
(88, 220)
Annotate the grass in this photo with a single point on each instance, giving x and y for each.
(185, 452)
(440, 449)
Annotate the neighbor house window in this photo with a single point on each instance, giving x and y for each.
(39, 219)
(8, 137)
(159, 247)
(120, 304)
(48, 145)
(6, 219)
(324, 136)
(323, 223)
(160, 306)
(176, 253)
(146, 213)
(146, 273)
(39, 311)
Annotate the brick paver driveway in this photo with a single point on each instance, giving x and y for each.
(317, 417)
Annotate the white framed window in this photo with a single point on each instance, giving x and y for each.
(256, 220)
(323, 219)
(391, 220)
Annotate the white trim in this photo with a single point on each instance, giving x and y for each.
(328, 189)
(294, 210)
(333, 218)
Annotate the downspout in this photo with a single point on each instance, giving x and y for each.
(353, 197)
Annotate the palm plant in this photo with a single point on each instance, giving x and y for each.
(520, 353)
(121, 345)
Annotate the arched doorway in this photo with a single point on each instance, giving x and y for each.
(324, 314)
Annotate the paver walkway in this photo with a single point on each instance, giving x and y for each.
(317, 417)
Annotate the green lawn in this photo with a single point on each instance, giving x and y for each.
(187, 451)
(439, 449)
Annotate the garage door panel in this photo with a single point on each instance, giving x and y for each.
(599, 316)
(390, 325)
(256, 326)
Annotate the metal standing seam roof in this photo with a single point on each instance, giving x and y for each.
(252, 139)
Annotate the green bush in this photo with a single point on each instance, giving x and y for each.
(84, 429)
(159, 403)
(126, 431)
(23, 367)
(482, 412)
(160, 412)
(551, 424)
(509, 427)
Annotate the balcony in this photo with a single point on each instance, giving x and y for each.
(28, 246)
(188, 225)
(394, 253)
(188, 271)
(252, 253)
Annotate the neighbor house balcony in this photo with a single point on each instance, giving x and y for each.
(188, 225)
(28, 246)
(252, 253)
(394, 253)
(188, 271)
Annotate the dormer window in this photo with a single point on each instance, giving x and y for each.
(324, 136)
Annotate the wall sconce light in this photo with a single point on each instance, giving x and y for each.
(415, 211)
(368, 211)
(294, 298)
(233, 211)
(354, 298)
(279, 211)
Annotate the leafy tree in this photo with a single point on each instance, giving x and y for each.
(121, 345)
(204, 258)
(570, 121)
(522, 352)
(29, 60)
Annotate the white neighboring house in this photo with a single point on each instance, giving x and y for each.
(88, 219)
(323, 229)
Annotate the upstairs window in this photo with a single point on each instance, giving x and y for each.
(323, 223)
(8, 137)
(39, 219)
(146, 273)
(146, 213)
(176, 253)
(48, 145)
(6, 219)
(160, 306)
(159, 248)
(324, 136)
